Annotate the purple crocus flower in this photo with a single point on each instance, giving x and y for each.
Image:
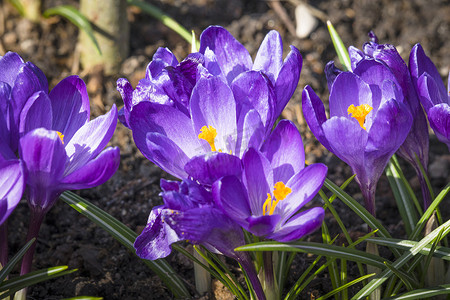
(434, 97)
(61, 149)
(189, 213)
(205, 145)
(18, 81)
(368, 121)
(275, 186)
(416, 144)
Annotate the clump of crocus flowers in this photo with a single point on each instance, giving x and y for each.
(49, 144)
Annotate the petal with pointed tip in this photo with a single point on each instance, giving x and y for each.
(269, 58)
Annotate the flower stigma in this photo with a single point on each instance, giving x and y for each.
(360, 113)
(208, 133)
(61, 136)
(280, 192)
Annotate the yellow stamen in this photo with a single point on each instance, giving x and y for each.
(61, 136)
(208, 133)
(280, 192)
(360, 113)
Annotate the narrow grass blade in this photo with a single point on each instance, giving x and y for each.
(402, 197)
(11, 286)
(427, 214)
(423, 293)
(12, 263)
(296, 288)
(376, 282)
(408, 281)
(345, 286)
(126, 237)
(319, 249)
(440, 252)
(341, 51)
(75, 17)
(163, 18)
(360, 211)
(333, 268)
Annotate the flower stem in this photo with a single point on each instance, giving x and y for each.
(269, 284)
(369, 198)
(246, 263)
(36, 218)
(3, 244)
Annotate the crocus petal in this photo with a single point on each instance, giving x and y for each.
(252, 133)
(154, 242)
(45, 157)
(356, 56)
(262, 225)
(257, 178)
(162, 151)
(12, 183)
(269, 58)
(213, 104)
(388, 132)
(314, 113)
(212, 65)
(90, 140)
(208, 225)
(230, 195)
(331, 72)
(36, 113)
(299, 225)
(231, 55)
(95, 172)
(304, 186)
(347, 141)
(439, 117)
(348, 89)
(153, 117)
(165, 55)
(428, 91)
(287, 79)
(209, 167)
(252, 90)
(70, 104)
(284, 150)
(10, 64)
(420, 63)
(126, 91)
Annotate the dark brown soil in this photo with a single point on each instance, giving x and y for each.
(106, 268)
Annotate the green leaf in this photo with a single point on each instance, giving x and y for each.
(403, 195)
(359, 210)
(75, 17)
(407, 280)
(163, 18)
(345, 286)
(18, 6)
(423, 293)
(423, 220)
(126, 237)
(319, 249)
(11, 286)
(339, 46)
(440, 252)
(379, 279)
(12, 263)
